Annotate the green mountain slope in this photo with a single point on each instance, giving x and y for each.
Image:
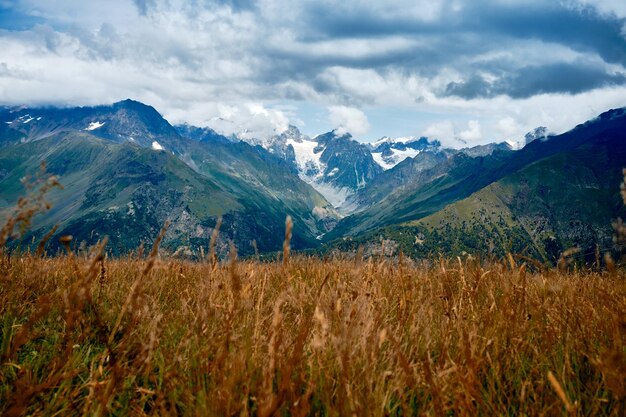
(562, 201)
(261, 178)
(462, 175)
(128, 192)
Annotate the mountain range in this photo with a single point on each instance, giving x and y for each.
(556, 193)
(126, 170)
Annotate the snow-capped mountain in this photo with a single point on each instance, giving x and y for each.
(342, 169)
(334, 164)
(389, 152)
(539, 133)
(121, 122)
(126, 170)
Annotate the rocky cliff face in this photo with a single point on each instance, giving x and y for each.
(335, 165)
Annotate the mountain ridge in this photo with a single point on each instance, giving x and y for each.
(126, 158)
(594, 146)
(198, 180)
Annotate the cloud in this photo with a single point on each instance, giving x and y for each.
(507, 127)
(348, 120)
(473, 132)
(610, 7)
(454, 134)
(143, 6)
(504, 119)
(571, 78)
(247, 121)
(456, 60)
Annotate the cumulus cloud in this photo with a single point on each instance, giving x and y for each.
(247, 121)
(348, 120)
(455, 135)
(252, 121)
(455, 60)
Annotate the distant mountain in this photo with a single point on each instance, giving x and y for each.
(422, 193)
(347, 164)
(540, 133)
(125, 121)
(420, 169)
(335, 165)
(389, 152)
(352, 175)
(126, 170)
(486, 150)
(430, 161)
(560, 202)
(202, 134)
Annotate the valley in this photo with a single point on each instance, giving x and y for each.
(125, 171)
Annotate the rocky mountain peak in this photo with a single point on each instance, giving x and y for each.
(540, 133)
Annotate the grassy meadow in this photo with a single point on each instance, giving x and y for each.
(85, 335)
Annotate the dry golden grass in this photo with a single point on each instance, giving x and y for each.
(83, 335)
(308, 337)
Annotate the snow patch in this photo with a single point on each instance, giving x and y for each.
(157, 146)
(395, 158)
(515, 145)
(311, 170)
(28, 120)
(309, 164)
(387, 139)
(378, 158)
(94, 126)
(384, 139)
(361, 183)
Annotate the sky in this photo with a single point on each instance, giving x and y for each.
(465, 72)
